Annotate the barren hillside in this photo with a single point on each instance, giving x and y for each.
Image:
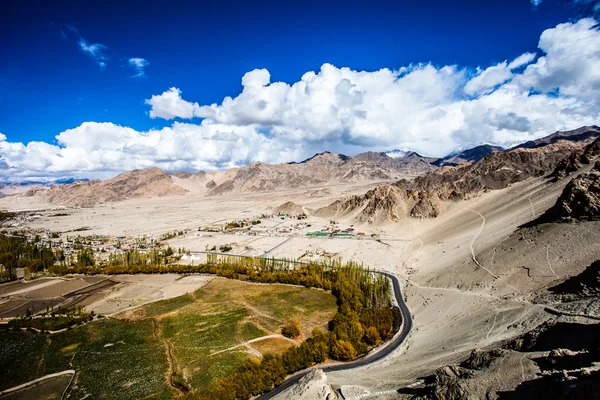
(150, 182)
(321, 169)
(425, 196)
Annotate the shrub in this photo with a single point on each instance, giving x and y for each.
(225, 248)
(291, 329)
(343, 351)
(372, 337)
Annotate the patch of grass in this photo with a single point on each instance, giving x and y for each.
(205, 370)
(311, 307)
(250, 331)
(166, 306)
(272, 345)
(133, 365)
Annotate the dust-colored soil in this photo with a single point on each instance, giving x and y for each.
(471, 275)
(136, 290)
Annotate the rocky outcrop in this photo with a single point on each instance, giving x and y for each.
(576, 160)
(586, 284)
(554, 361)
(312, 386)
(380, 205)
(425, 207)
(580, 200)
(481, 376)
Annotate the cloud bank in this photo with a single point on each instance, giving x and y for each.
(430, 109)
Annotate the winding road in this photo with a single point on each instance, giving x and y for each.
(366, 360)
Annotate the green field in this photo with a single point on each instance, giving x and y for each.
(189, 340)
(205, 327)
(114, 359)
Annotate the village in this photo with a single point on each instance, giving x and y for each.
(257, 235)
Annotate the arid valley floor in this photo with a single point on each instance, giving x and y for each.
(476, 277)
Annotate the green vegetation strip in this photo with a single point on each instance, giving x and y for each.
(364, 317)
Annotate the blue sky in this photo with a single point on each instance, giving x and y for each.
(66, 64)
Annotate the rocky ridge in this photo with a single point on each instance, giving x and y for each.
(576, 160)
(321, 169)
(423, 196)
(579, 200)
(468, 156)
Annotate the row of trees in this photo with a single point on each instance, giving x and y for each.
(133, 257)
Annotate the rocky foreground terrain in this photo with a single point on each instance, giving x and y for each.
(556, 359)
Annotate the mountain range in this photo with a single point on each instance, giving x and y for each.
(455, 176)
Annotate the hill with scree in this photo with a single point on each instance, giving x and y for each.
(424, 196)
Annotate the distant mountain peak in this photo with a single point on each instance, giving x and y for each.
(396, 153)
(324, 155)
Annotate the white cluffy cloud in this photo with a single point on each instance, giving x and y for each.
(488, 79)
(170, 105)
(429, 109)
(138, 65)
(94, 50)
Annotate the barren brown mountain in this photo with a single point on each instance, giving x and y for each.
(423, 196)
(320, 169)
(150, 182)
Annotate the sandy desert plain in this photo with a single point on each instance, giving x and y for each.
(461, 275)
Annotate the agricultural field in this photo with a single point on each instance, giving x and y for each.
(167, 346)
(211, 330)
(93, 350)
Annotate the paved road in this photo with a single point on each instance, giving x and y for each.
(361, 362)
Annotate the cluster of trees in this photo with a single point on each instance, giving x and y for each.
(291, 329)
(134, 257)
(16, 252)
(225, 248)
(171, 235)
